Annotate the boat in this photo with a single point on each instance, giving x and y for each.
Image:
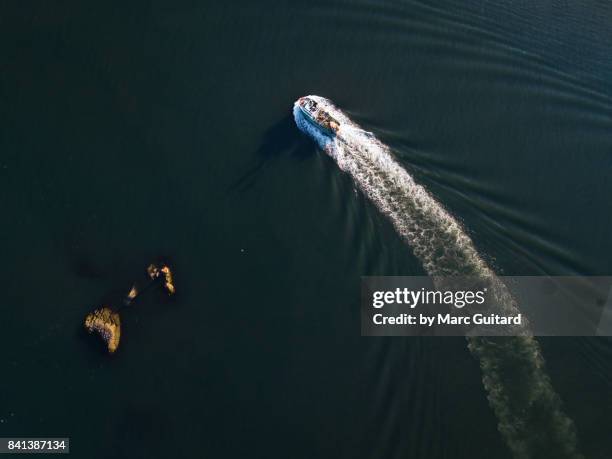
(317, 116)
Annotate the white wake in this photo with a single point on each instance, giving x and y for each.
(528, 410)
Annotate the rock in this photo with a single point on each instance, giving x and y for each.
(168, 281)
(156, 272)
(106, 323)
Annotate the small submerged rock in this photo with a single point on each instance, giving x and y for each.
(132, 294)
(107, 324)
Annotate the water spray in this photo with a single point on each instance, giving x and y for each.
(529, 412)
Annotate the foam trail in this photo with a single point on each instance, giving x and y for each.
(528, 410)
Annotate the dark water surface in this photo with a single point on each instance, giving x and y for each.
(156, 129)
